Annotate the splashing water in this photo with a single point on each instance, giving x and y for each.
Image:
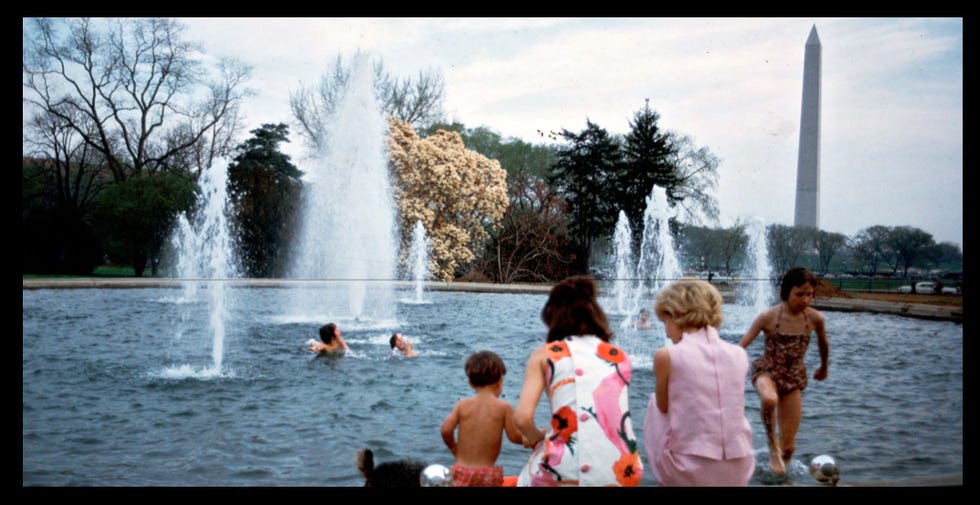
(348, 231)
(637, 284)
(758, 292)
(419, 260)
(625, 268)
(657, 265)
(206, 255)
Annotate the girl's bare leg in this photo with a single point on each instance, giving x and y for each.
(789, 413)
(768, 401)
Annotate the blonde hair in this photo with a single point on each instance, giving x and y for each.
(691, 303)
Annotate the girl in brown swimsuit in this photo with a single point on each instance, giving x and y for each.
(783, 358)
(779, 375)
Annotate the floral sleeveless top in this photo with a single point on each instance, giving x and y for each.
(591, 442)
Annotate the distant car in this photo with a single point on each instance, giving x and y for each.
(925, 288)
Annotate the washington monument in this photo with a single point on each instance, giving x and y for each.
(808, 164)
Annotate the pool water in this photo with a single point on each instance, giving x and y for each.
(120, 389)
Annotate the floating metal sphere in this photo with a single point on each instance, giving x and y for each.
(824, 469)
(436, 476)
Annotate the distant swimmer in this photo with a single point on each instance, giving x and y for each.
(332, 342)
(404, 345)
(644, 322)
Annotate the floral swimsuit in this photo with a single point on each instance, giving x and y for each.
(783, 358)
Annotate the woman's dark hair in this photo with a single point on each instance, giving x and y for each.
(484, 368)
(572, 309)
(795, 277)
(327, 332)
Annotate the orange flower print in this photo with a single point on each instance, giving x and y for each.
(628, 470)
(563, 424)
(610, 353)
(557, 351)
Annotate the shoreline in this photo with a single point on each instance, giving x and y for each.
(838, 304)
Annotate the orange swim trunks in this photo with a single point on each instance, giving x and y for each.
(472, 476)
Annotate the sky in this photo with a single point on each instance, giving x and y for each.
(891, 145)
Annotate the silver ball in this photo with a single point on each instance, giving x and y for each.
(436, 476)
(824, 469)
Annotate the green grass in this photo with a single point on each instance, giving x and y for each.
(868, 284)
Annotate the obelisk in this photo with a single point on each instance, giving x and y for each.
(808, 163)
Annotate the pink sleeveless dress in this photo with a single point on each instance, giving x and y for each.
(704, 438)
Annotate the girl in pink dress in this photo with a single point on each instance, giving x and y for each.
(695, 432)
(591, 440)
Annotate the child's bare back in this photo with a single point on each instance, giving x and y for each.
(482, 421)
(474, 429)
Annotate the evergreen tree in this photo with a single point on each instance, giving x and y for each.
(582, 175)
(647, 155)
(265, 187)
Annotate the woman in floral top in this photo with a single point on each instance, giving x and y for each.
(590, 441)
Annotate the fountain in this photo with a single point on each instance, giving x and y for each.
(347, 237)
(757, 292)
(657, 265)
(418, 260)
(625, 269)
(206, 257)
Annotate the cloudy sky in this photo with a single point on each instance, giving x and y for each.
(892, 95)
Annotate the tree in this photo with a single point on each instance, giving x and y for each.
(61, 179)
(417, 102)
(515, 155)
(734, 242)
(457, 193)
(265, 188)
(137, 215)
(134, 91)
(138, 97)
(696, 177)
(699, 245)
(72, 172)
(55, 238)
(949, 256)
(828, 244)
(911, 246)
(530, 243)
(870, 247)
(786, 244)
(648, 153)
(582, 176)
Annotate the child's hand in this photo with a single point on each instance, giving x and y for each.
(820, 374)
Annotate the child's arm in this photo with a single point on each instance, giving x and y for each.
(513, 434)
(342, 343)
(754, 330)
(449, 427)
(661, 372)
(823, 345)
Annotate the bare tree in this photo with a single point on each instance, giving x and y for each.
(528, 245)
(733, 243)
(696, 178)
(870, 247)
(828, 244)
(786, 244)
(134, 91)
(73, 173)
(417, 102)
